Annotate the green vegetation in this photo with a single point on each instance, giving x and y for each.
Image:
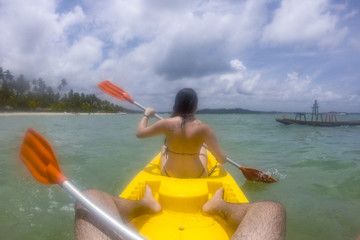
(20, 94)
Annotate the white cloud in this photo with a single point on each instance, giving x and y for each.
(237, 64)
(144, 45)
(309, 22)
(297, 88)
(241, 82)
(74, 17)
(35, 38)
(82, 55)
(298, 84)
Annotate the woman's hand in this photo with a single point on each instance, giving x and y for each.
(149, 112)
(144, 130)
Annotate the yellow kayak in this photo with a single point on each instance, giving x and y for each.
(181, 201)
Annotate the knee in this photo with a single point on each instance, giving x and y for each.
(275, 205)
(92, 194)
(276, 208)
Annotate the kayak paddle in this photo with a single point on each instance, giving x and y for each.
(119, 93)
(249, 173)
(39, 157)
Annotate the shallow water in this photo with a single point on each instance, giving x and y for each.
(318, 170)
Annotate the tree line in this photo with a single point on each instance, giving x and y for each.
(21, 94)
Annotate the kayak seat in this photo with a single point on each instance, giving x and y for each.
(181, 201)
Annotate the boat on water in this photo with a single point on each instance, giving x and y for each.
(181, 201)
(317, 119)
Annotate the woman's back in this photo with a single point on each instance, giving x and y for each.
(187, 139)
(183, 154)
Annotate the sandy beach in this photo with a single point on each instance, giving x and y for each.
(9, 114)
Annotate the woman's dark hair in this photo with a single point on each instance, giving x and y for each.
(185, 104)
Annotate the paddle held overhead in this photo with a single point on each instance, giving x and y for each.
(249, 173)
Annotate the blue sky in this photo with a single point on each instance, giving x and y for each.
(261, 55)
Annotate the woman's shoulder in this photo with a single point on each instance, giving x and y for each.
(170, 122)
(172, 119)
(198, 122)
(201, 124)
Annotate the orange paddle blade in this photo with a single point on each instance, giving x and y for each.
(39, 157)
(115, 91)
(256, 175)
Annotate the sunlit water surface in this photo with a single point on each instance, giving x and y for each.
(318, 170)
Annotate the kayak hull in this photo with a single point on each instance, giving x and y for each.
(181, 201)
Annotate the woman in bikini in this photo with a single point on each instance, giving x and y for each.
(183, 154)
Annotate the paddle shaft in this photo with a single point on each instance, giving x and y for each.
(159, 117)
(98, 212)
(233, 162)
(144, 108)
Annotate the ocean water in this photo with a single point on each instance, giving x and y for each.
(318, 170)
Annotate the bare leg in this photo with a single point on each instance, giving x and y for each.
(88, 226)
(260, 220)
(204, 160)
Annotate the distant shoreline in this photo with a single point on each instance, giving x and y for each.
(206, 111)
(9, 114)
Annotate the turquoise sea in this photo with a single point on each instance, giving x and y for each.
(318, 170)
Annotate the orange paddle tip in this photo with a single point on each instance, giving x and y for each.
(115, 91)
(39, 157)
(257, 175)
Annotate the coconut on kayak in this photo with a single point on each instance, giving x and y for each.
(181, 201)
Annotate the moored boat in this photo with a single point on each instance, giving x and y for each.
(317, 119)
(181, 201)
(288, 121)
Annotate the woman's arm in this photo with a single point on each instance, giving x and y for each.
(213, 145)
(144, 131)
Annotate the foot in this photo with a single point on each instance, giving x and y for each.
(149, 201)
(211, 206)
